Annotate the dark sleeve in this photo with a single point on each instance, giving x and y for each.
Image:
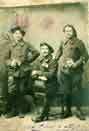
(52, 69)
(35, 64)
(32, 53)
(59, 51)
(8, 56)
(84, 52)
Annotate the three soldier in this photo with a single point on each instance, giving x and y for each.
(44, 72)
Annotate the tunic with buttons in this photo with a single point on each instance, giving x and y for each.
(23, 52)
(73, 49)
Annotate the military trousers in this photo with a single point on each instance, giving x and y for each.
(68, 84)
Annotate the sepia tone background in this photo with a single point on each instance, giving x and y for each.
(38, 31)
(5, 3)
(45, 22)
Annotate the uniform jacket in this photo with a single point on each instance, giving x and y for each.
(49, 71)
(72, 49)
(24, 52)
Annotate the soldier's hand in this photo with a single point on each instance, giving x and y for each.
(13, 63)
(45, 65)
(69, 63)
(73, 66)
(83, 60)
(18, 62)
(34, 74)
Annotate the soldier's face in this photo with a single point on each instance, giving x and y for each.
(17, 35)
(68, 32)
(44, 51)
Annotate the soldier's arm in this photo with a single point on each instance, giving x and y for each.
(51, 70)
(59, 51)
(4, 41)
(32, 53)
(8, 56)
(35, 65)
(78, 62)
(83, 54)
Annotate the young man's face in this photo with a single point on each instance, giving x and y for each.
(68, 32)
(44, 51)
(17, 35)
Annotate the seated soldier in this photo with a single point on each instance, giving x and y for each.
(44, 74)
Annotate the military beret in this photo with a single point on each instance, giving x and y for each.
(13, 29)
(49, 46)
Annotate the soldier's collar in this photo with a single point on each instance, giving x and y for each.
(45, 59)
(21, 43)
(70, 41)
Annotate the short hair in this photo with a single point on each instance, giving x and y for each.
(73, 28)
(14, 29)
(49, 46)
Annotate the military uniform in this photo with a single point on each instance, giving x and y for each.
(69, 78)
(47, 71)
(17, 76)
(3, 77)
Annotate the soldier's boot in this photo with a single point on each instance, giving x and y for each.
(62, 109)
(11, 114)
(38, 119)
(45, 112)
(43, 116)
(62, 114)
(68, 112)
(80, 114)
(21, 115)
(20, 109)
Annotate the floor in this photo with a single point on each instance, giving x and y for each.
(53, 124)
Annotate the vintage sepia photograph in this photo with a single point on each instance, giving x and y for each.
(44, 67)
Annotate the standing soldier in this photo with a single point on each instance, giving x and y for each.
(45, 69)
(21, 54)
(71, 56)
(3, 76)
